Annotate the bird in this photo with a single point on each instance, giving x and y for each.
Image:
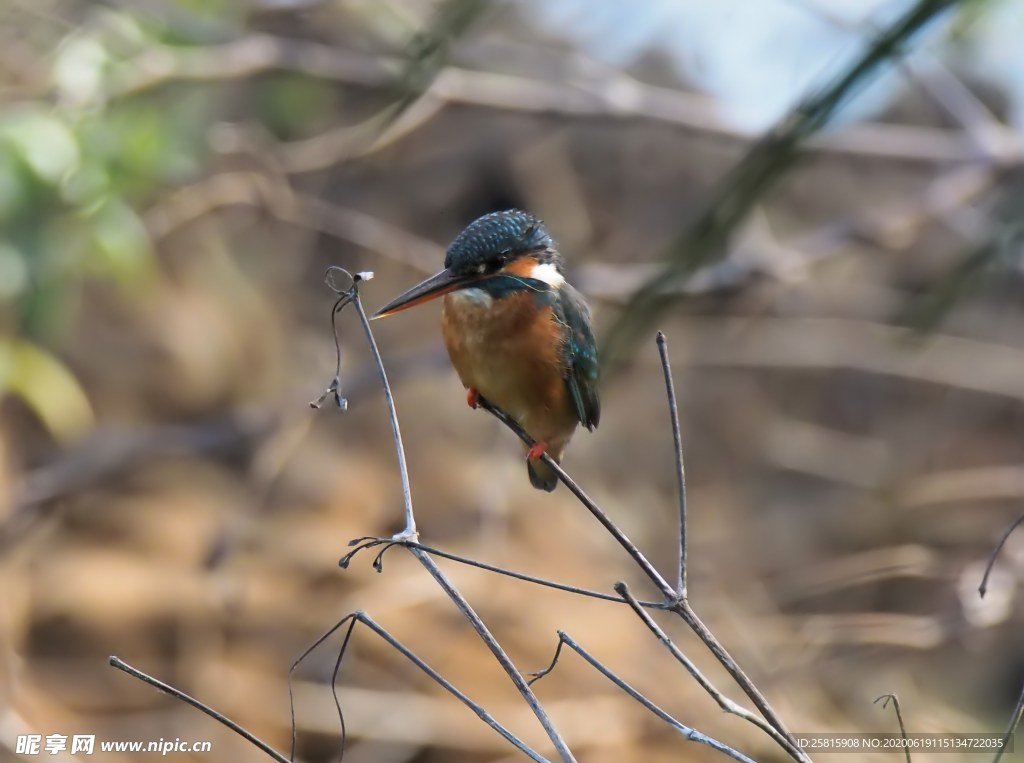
(517, 332)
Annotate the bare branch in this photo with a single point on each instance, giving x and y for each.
(677, 604)
(884, 699)
(723, 702)
(121, 665)
(409, 533)
(371, 542)
(594, 509)
(362, 617)
(691, 734)
(683, 609)
(680, 470)
(1018, 711)
(983, 588)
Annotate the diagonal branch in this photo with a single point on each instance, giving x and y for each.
(594, 509)
(691, 734)
(705, 240)
(1018, 711)
(723, 702)
(677, 604)
(166, 689)
(361, 617)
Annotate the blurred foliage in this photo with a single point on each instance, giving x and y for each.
(76, 165)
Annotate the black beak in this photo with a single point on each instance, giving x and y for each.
(437, 285)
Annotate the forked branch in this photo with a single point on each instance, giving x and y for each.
(692, 734)
(884, 699)
(723, 702)
(674, 602)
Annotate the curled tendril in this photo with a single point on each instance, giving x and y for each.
(344, 298)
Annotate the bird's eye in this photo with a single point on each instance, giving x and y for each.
(481, 268)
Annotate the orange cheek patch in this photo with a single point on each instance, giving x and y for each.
(523, 267)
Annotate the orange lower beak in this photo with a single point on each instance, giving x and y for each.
(437, 285)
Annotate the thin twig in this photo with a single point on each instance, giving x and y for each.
(334, 677)
(435, 571)
(498, 652)
(371, 542)
(983, 588)
(124, 666)
(594, 509)
(670, 389)
(884, 699)
(723, 702)
(1014, 720)
(409, 533)
(362, 617)
(685, 611)
(691, 734)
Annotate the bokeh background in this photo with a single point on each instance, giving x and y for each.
(176, 176)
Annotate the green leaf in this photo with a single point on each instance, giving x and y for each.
(47, 387)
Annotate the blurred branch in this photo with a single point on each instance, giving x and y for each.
(257, 190)
(613, 94)
(855, 570)
(705, 240)
(1015, 717)
(110, 453)
(872, 628)
(1002, 246)
(983, 587)
(246, 57)
(811, 343)
(894, 226)
(994, 140)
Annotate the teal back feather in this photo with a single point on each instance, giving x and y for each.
(582, 368)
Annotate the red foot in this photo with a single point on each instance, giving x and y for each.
(473, 398)
(536, 451)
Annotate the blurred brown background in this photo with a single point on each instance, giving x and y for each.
(175, 177)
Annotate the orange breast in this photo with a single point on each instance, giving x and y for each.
(510, 351)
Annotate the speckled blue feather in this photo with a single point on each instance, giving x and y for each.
(496, 237)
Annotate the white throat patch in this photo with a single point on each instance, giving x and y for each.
(547, 273)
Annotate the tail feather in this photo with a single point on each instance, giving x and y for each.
(542, 476)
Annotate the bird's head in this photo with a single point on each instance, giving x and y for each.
(501, 244)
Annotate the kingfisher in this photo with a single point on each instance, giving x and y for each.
(518, 334)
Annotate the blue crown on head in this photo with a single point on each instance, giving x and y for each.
(499, 233)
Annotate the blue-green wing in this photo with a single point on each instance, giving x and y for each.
(582, 370)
